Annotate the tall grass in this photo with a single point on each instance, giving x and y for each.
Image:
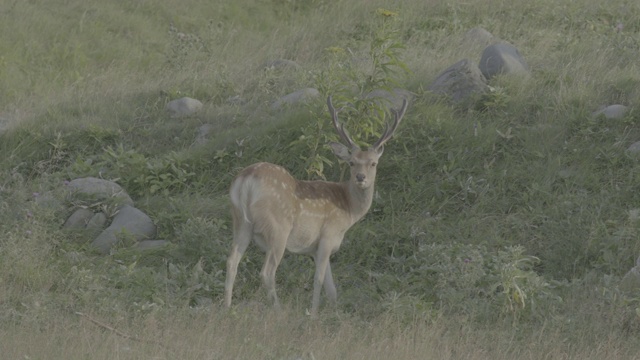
(499, 231)
(259, 333)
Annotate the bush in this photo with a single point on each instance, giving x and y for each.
(472, 279)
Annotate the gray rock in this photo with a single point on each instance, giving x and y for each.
(183, 107)
(393, 98)
(460, 81)
(129, 223)
(478, 38)
(97, 222)
(297, 97)
(634, 149)
(612, 112)
(99, 189)
(79, 219)
(502, 58)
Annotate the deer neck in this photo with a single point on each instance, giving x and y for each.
(359, 199)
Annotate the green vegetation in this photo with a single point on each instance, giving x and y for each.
(498, 232)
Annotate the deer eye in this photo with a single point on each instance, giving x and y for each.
(350, 163)
(373, 164)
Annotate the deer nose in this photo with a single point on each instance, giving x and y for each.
(360, 177)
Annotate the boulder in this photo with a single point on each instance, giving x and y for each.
(99, 189)
(297, 97)
(634, 149)
(502, 58)
(612, 112)
(460, 81)
(79, 219)
(129, 223)
(97, 222)
(478, 38)
(185, 106)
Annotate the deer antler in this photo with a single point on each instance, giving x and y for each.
(388, 131)
(346, 139)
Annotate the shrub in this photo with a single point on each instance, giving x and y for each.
(475, 280)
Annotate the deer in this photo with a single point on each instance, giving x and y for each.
(279, 212)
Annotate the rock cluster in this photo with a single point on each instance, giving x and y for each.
(106, 214)
(464, 80)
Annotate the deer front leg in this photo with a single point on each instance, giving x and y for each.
(329, 286)
(322, 264)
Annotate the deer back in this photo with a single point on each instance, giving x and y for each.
(268, 197)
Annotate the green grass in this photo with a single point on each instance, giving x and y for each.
(497, 232)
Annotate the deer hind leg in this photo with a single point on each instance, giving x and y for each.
(275, 251)
(242, 233)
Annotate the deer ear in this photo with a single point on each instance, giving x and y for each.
(380, 150)
(341, 151)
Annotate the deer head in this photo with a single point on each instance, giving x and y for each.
(363, 163)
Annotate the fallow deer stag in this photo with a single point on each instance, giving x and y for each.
(305, 217)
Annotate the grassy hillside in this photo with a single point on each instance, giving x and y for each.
(499, 231)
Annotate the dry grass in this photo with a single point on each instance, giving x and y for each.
(253, 332)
